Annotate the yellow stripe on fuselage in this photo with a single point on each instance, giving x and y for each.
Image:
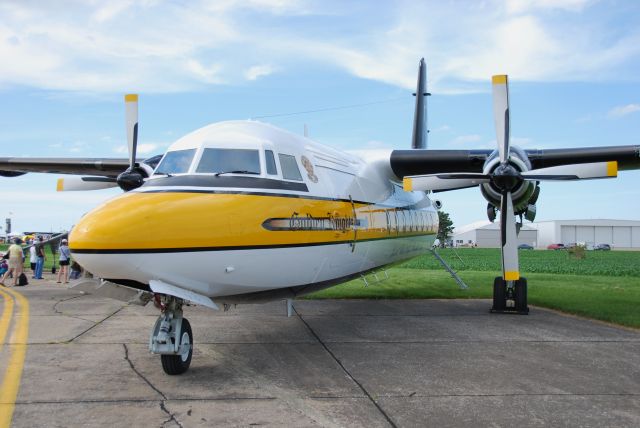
(200, 220)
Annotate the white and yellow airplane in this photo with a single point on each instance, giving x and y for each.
(264, 214)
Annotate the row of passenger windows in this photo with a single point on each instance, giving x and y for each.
(402, 221)
(239, 161)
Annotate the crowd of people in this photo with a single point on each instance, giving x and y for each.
(12, 262)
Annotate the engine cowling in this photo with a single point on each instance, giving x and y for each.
(524, 194)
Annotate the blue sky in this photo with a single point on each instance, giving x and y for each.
(574, 69)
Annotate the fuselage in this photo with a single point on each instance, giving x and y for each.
(243, 209)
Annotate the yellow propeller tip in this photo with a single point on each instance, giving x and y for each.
(499, 79)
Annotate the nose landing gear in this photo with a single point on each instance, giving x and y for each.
(510, 296)
(171, 337)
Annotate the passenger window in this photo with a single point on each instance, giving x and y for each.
(289, 167)
(239, 161)
(271, 162)
(176, 162)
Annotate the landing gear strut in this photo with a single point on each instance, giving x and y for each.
(171, 336)
(510, 296)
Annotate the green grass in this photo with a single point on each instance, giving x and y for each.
(608, 263)
(604, 286)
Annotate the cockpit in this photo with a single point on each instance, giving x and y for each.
(240, 149)
(218, 161)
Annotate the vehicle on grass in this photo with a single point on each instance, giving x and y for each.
(556, 247)
(525, 247)
(602, 247)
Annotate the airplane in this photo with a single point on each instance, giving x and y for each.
(265, 214)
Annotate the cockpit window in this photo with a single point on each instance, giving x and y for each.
(271, 162)
(176, 162)
(239, 161)
(289, 167)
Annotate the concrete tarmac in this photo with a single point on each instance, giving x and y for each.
(368, 363)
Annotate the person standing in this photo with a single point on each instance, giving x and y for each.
(40, 258)
(65, 260)
(15, 262)
(32, 259)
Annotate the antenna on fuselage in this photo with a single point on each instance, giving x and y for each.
(420, 130)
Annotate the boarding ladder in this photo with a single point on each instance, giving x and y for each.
(449, 269)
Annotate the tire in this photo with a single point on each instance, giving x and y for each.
(178, 364)
(499, 294)
(521, 296)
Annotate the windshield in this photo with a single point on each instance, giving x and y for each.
(176, 162)
(229, 160)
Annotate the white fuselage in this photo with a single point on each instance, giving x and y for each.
(301, 216)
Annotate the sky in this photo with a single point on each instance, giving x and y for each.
(573, 66)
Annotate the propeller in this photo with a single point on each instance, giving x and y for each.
(134, 176)
(501, 114)
(131, 105)
(74, 183)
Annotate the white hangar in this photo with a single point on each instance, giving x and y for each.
(620, 234)
(487, 235)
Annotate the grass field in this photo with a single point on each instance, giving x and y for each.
(604, 285)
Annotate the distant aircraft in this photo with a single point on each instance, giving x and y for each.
(264, 214)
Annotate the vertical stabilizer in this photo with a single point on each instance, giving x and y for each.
(420, 131)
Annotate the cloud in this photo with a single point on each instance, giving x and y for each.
(142, 149)
(152, 46)
(257, 71)
(465, 139)
(521, 6)
(624, 110)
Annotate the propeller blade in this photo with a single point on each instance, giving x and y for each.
(443, 181)
(75, 183)
(510, 267)
(582, 171)
(501, 114)
(131, 103)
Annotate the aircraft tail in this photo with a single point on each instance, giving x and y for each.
(420, 130)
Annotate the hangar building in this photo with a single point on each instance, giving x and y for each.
(486, 234)
(620, 234)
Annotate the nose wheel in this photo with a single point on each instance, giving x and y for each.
(172, 337)
(175, 364)
(510, 296)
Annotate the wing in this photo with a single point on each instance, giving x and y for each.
(101, 167)
(423, 162)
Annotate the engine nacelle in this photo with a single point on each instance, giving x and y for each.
(523, 194)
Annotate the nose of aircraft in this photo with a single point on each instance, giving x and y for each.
(145, 222)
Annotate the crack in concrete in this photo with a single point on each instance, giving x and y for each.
(362, 388)
(172, 416)
(55, 307)
(94, 325)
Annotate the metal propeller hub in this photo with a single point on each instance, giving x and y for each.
(506, 177)
(132, 178)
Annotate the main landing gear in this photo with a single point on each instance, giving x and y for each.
(510, 296)
(171, 336)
